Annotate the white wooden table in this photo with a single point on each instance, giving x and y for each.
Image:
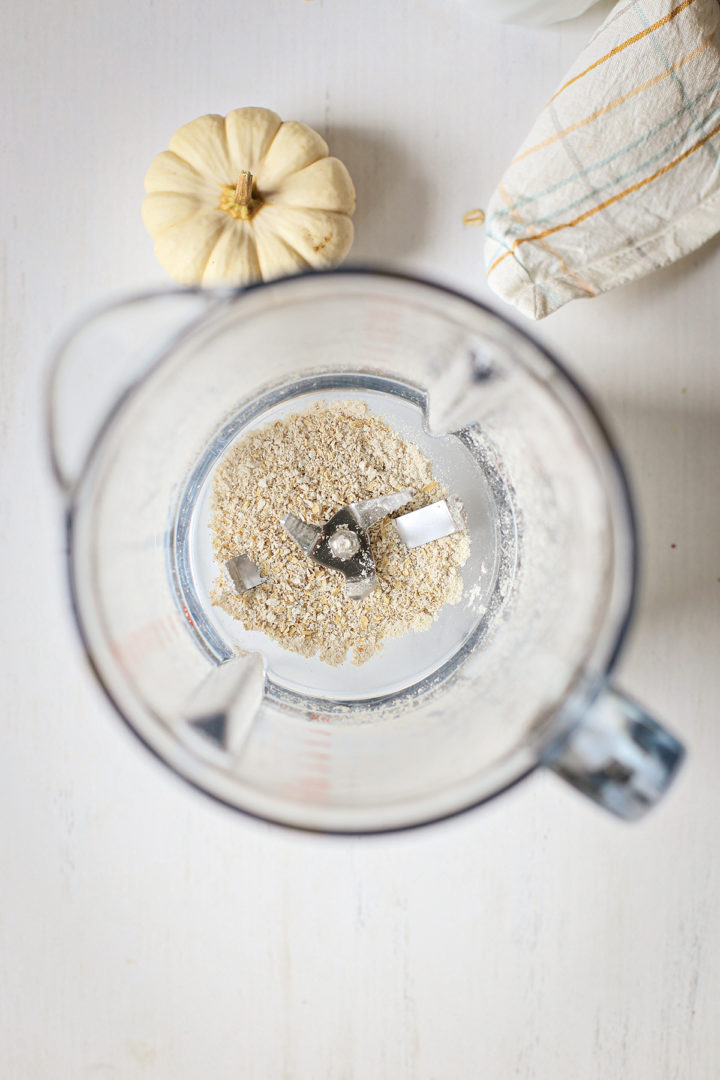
(145, 931)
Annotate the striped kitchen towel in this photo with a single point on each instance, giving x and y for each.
(621, 173)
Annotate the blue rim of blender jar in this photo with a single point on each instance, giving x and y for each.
(228, 295)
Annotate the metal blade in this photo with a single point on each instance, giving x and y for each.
(243, 573)
(305, 536)
(360, 587)
(370, 511)
(429, 523)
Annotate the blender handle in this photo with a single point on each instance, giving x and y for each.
(618, 755)
(103, 357)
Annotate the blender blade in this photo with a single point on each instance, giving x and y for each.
(243, 573)
(429, 523)
(343, 543)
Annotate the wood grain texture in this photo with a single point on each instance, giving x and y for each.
(146, 932)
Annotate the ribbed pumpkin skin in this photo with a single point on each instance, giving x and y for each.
(299, 218)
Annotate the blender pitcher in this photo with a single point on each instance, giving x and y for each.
(147, 396)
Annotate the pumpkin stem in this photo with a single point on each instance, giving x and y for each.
(243, 191)
(239, 201)
(241, 204)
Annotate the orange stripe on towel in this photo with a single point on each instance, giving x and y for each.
(618, 101)
(608, 202)
(625, 44)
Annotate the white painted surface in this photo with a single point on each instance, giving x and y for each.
(146, 932)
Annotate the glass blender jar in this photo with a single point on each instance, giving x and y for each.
(146, 398)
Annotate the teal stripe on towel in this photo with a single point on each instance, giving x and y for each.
(612, 157)
(516, 228)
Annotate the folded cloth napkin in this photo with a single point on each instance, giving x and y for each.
(621, 173)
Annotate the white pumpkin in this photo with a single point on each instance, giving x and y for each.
(246, 198)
